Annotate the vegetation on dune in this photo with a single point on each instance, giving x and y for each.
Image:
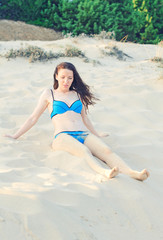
(114, 51)
(38, 54)
(35, 54)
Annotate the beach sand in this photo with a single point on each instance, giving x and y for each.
(46, 195)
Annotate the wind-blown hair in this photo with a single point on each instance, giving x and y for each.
(77, 85)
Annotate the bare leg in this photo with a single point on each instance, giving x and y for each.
(99, 149)
(67, 143)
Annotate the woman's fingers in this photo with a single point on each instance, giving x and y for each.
(103, 134)
(9, 136)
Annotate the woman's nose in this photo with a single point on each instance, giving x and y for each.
(66, 80)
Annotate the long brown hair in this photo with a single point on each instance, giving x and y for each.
(77, 85)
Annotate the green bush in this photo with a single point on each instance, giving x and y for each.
(50, 14)
(152, 18)
(137, 20)
(23, 10)
(91, 17)
(123, 20)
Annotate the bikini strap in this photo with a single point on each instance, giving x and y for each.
(52, 94)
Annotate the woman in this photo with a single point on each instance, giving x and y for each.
(67, 103)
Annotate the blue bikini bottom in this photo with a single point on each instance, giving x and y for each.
(78, 135)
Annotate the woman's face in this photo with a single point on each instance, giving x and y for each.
(65, 78)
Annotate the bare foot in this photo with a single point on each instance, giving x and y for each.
(112, 173)
(100, 178)
(141, 176)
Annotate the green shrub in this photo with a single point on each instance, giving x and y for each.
(24, 10)
(136, 20)
(152, 18)
(91, 17)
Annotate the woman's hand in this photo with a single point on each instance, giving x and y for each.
(103, 134)
(10, 136)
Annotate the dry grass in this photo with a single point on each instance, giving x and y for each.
(158, 60)
(159, 55)
(35, 54)
(101, 35)
(114, 51)
(71, 51)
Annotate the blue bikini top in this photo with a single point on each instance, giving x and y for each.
(60, 107)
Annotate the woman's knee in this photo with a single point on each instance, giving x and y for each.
(83, 151)
(106, 150)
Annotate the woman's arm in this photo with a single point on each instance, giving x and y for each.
(31, 121)
(89, 125)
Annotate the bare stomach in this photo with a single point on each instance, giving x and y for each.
(68, 121)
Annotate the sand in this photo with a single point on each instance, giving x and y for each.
(46, 195)
(17, 30)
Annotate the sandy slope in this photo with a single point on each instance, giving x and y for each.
(47, 195)
(16, 30)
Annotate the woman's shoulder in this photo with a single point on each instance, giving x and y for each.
(46, 93)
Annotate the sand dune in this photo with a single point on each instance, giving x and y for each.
(17, 30)
(53, 195)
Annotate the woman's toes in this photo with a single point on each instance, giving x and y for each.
(112, 173)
